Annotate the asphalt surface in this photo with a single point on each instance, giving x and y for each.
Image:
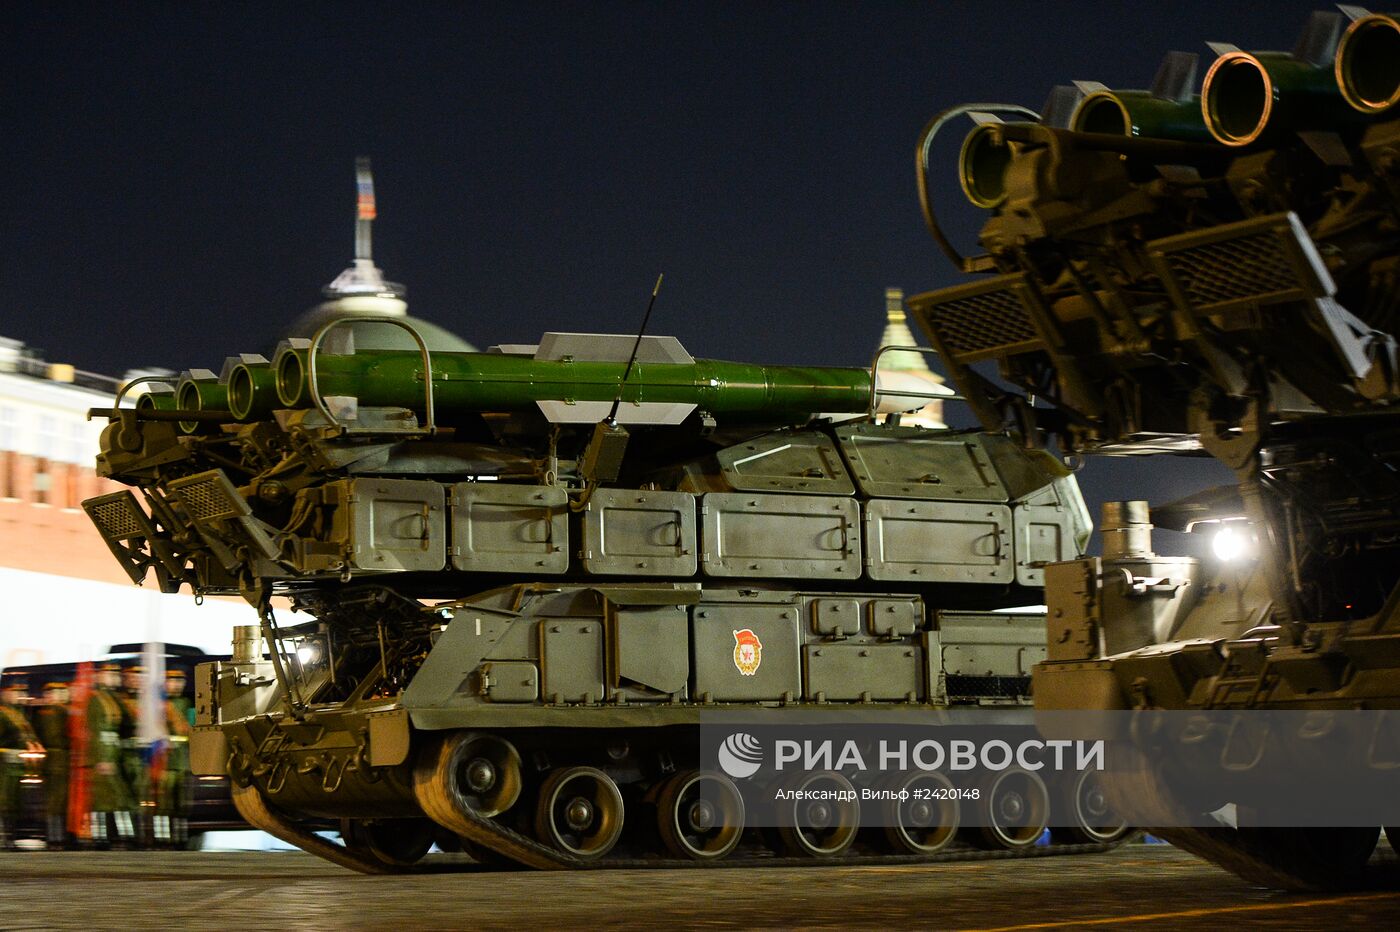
(1135, 887)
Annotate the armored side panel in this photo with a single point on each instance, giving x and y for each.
(1044, 533)
(861, 655)
(723, 675)
(571, 659)
(650, 653)
(390, 524)
(815, 537)
(987, 656)
(894, 618)
(509, 528)
(635, 533)
(510, 681)
(1144, 600)
(797, 462)
(913, 463)
(939, 541)
(624, 645)
(482, 653)
(866, 672)
(836, 617)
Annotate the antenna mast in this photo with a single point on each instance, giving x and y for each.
(641, 331)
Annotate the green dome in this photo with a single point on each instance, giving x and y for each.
(376, 336)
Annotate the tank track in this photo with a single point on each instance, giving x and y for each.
(251, 804)
(1302, 859)
(1290, 859)
(500, 841)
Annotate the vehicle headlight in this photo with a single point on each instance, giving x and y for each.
(1230, 543)
(309, 652)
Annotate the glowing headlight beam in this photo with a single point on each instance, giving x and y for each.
(1229, 544)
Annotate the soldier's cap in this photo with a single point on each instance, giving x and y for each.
(55, 685)
(174, 672)
(111, 665)
(135, 668)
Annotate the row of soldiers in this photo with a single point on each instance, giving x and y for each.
(102, 783)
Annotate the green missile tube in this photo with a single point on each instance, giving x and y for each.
(1249, 96)
(1139, 113)
(477, 382)
(156, 400)
(252, 391)
(200, 390)
(990, 166)
(1367, 66)
(982, 165)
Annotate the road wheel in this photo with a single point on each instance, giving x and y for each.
(396, 842)
(1090, 818)
(700, 815)
(471, 773)
(1013, 809)
(580, 812)
(821, 818)
(926, 821)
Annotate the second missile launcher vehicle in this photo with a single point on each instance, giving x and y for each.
(1212, 274)
(529, 571)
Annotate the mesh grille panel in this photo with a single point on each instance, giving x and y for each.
(118, 519)
(983, 322)
(961, 687)
(205, 498)
(1234, 269)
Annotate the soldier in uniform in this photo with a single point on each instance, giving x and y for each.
(133, 757)
(51, 723)
(16, 738)
(108, 789)
(173, 787)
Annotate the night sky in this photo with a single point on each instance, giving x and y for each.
(179, 177)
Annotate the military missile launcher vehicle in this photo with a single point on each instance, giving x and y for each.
(1207, 273)
(528, 572)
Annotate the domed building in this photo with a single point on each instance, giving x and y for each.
(362, 291)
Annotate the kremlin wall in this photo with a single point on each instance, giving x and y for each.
(63, 597)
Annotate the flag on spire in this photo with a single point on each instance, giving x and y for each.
(364, 182)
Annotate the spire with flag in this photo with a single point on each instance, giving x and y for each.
(364, 208)
(363, 281)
